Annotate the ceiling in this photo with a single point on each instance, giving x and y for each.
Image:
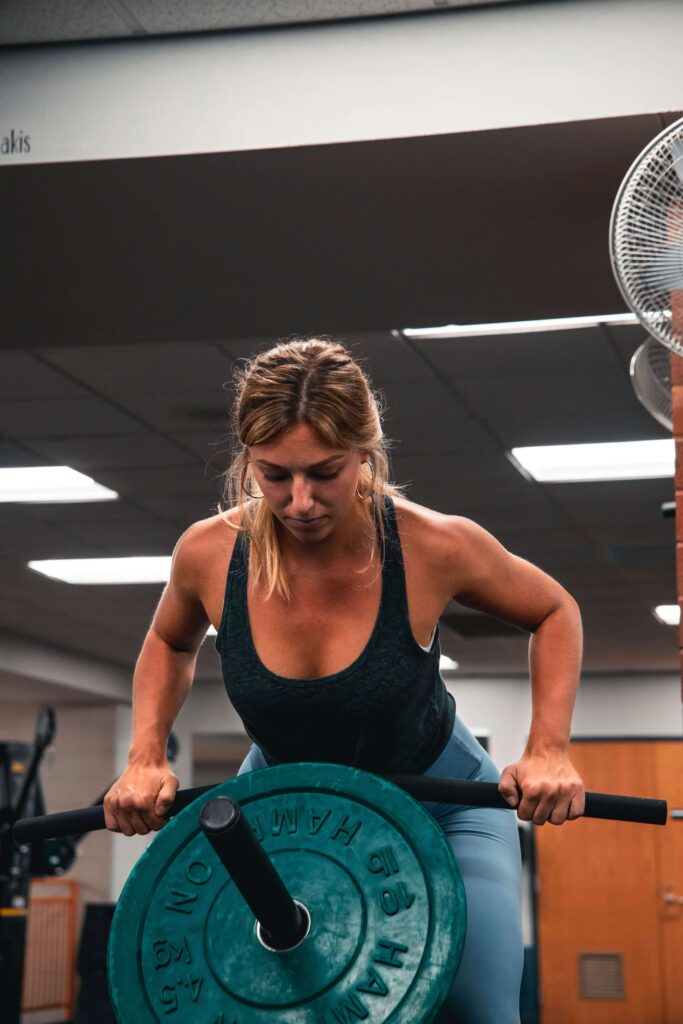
(34, 21)
(131, 288)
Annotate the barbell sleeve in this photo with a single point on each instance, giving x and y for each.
(421, 787)
(283, 923)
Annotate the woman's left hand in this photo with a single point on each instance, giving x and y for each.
(543, 787)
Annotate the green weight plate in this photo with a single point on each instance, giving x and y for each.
(373, 869)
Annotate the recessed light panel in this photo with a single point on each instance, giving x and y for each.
(668, 614)
(50, 484)
(616, 460)
(152, 569)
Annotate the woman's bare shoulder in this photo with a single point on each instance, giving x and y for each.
(447, 543)
(431, 530)
(450, 547)
(205, 541)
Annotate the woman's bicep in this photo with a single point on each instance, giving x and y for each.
(491, 579)
(180, 619)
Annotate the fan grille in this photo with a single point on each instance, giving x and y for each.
(647, 237)
(651, 379)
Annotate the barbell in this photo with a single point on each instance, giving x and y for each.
(298, 894)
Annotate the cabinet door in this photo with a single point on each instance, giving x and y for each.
(599, 901)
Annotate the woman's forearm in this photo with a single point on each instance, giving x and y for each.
(555, 651)
(162, 680)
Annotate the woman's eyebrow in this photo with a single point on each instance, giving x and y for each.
(316, 465)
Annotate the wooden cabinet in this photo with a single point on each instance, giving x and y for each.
(610, 927)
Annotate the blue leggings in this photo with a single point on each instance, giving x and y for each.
(486, 846)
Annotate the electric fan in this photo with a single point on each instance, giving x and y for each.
(651, 380)
(646, 237)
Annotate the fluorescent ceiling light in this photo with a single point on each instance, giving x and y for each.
(668, 614)
(155, 569)
(518, 326)
(618, 460)
(50, 484)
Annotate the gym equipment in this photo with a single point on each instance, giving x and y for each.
(609, 806)
(19, 791)
(356, 913)
(93, 1003)
(373, 929)
(646, 237)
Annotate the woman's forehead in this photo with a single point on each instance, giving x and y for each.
(300, 443)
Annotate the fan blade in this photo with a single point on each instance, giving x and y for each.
(677, 154)
(666, 269)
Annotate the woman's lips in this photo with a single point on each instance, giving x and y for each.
(307, 524)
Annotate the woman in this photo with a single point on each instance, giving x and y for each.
(325, 586)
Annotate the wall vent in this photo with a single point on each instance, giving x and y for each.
(601, 976)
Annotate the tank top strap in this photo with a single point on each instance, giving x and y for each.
(235, 596)
(396, 596)
(391, 538)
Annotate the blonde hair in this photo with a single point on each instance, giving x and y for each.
(306, 380)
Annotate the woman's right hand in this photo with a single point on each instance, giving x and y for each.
(140, 799)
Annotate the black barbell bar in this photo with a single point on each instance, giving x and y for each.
(422, 787)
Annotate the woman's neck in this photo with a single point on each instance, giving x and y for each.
(352, 542)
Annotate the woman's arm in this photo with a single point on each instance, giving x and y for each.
(542, 784)
(138, 800)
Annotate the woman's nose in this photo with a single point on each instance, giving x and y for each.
(302, 495)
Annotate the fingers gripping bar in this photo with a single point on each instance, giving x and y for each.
(454, 791)
(486, 794)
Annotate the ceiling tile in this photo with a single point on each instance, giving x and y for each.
(181, 510)
(115, 370)
(52, 417)
(571, 395)
(521, 355)
(534, 425)
(56, 20)
(175, 412)
(121, 539)
(85, 512)
(18, 455)
(627, 339)
(455, 469)
(386, 357)
(27, 540)
(152, 481)
(91, 453)
(214, 448)
(429, 417)
(24, 376)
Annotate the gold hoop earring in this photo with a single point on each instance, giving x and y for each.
(363, 497)
(254, 497)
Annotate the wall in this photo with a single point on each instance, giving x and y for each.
(605, 706)
(442, 72)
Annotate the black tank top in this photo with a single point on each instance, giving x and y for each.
(389, 711)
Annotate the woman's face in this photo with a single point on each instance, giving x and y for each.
(309, 485)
